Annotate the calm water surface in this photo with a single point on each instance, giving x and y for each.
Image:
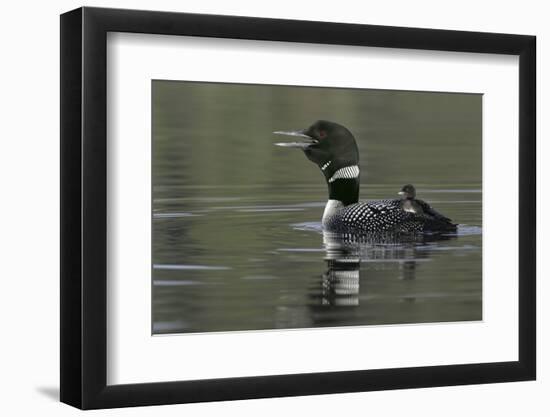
(237, 242)
(226, 263)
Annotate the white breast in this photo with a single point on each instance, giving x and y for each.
(331, 208)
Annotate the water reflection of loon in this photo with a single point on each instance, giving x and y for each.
(333, 148)
(340, 283)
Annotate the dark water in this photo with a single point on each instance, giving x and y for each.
(237, 242)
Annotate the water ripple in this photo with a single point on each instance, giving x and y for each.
(175, 283)
(308, 226)
(301, 250)
(190, 267)
(174, 215)
(261, 210)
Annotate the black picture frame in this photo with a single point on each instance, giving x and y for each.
(84, 207)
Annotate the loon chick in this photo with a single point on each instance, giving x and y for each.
(333, 149)
(411, 204)
(408, 202)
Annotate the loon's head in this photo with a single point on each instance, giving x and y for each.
(408, 192)
(325, 143)
(333, 149)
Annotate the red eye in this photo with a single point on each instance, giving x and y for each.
(322, 134)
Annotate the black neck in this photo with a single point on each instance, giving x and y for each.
(344, 190)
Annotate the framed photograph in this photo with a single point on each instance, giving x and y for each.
(258, 208)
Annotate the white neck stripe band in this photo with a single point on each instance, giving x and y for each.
(325, 166)
(346, 172)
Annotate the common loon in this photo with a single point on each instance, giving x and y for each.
(333, 149)
(411, 204)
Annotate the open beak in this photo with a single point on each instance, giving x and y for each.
(305, 140)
